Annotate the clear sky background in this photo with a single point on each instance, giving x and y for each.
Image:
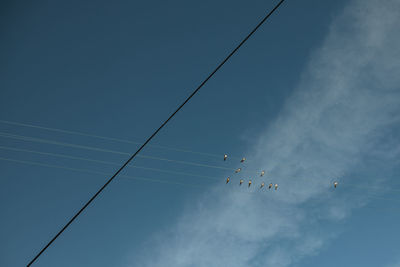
(312, 97)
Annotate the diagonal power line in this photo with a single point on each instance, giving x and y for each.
(155, 133)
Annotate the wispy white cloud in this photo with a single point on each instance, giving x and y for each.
(396, 264)
(341, 116)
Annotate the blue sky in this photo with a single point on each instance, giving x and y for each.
(313, 97)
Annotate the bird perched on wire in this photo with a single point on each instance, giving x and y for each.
(225, 157)
(243, 159)
(241, 182)
(227, 180)
(262, 185)
(262, 173)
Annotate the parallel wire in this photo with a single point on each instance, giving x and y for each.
(51, 142)
(164, 171)
(103, 173)
(143, 178)
(96, 172)
(156, 131)
(97, 149)
(375, 188)
(346, 184)
(381, 198)
(337, 176)
(101, 161)
(106, 138)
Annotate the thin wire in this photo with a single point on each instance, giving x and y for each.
(51, 142)
(105, 138)
(101, 161)
(337, 176)
(376, 208)
(158, 181)
(39, 140)
(346, 184)
(381, 198)
(375, 188)
(156, 131)
(95, 172)
(143, 178)
(125, 176)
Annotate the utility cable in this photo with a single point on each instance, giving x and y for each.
(95, 172)
(106, 138)
(97, 149)
(33, 163)
(51, 142)
(142, 178)
(102, 162)
(155, 133)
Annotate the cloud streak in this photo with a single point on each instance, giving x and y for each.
(340, 118)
